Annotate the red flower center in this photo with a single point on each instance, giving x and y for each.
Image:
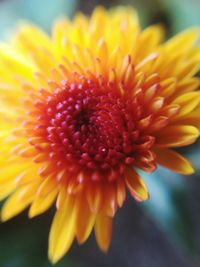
(92, 126)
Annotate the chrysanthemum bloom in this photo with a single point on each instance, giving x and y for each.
(82, 109)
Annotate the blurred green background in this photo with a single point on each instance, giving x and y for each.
(164, 231)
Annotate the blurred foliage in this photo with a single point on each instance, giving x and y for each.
(23, 243)
(182, 13)
(168, 206)
(39, 12)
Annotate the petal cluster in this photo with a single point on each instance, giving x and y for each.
(83, 109)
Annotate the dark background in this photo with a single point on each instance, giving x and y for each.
(165, 231)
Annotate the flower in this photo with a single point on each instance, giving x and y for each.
(83, 108)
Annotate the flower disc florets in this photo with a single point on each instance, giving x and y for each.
(91, 127)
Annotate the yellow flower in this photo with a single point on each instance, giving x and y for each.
(84, 107)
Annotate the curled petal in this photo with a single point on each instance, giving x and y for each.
(173, 160)
(110, 204)
(136, 186)
(121, 191)
(94, 194)
(103, 231)
(159, 123)
(177, 135)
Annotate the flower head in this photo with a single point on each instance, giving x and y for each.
(83, 108)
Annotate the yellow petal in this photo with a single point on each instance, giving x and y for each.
(62, 230)
(174, 161)
(153, 35)
(94, 194)
(26, 177)
(85, 219)
(168, 86)
(61, 197)
(25, 38)
(177, 135)
(188, 69)
(188, 85)
(187, 102)
(121, 192)
(191, 118)
(103, 231)
(41, 204)
(59, 33)
(46, 187)
(110, 202)
(183, 41)
(9, 172)
(136, 186)
(18, 201)
(19, 61)
(6, 190)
